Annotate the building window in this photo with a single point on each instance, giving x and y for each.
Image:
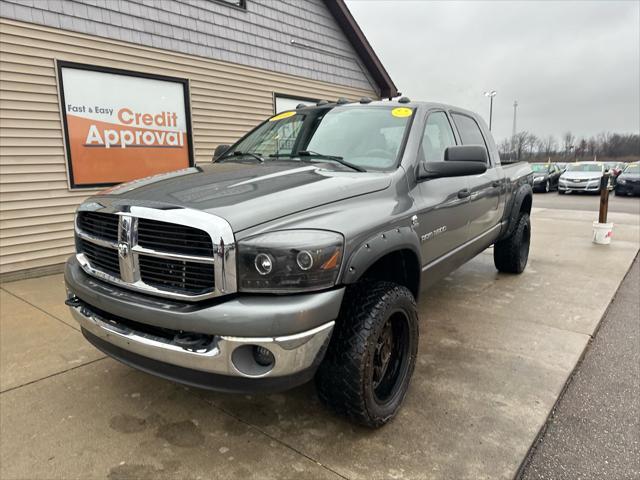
(283, 103)
(235, 3)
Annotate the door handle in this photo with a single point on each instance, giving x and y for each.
(495, 184)
(464, 193)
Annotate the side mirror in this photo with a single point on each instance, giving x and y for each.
(466, 153)
(451, 168)
(220, 150)
(459, 160)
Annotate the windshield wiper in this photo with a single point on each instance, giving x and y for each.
(333, 158)
(236, 153)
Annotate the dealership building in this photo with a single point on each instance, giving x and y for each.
(96, 92)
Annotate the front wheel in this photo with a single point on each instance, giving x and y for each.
(511, 254)
(368, 366)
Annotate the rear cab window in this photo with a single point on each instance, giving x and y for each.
(469, 131)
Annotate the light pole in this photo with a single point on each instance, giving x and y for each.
(490, 94)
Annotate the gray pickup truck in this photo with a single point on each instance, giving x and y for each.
(299, 252)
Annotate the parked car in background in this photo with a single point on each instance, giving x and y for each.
(581, 177)
(545, 176)
(628, 182)
(614, 169)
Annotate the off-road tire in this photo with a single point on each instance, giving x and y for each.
(510, 255)
(345, 379)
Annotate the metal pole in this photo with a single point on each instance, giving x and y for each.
(604, 198)
(490, 111)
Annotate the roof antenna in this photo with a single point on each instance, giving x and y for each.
(365, 100)
(342, 101)
(322, 102)
(300, 105)
(404, 100)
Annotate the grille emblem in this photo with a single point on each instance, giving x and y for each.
(123, 250)
(127, 238)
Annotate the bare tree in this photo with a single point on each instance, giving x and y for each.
(505, 148)
(592, 146)
(549, 146)
(568, 140)
(532, 142)
(581, 149)
(520, 142)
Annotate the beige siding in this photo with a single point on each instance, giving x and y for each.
(36, 206)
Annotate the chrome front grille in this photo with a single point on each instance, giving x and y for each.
(103, 258)
(192, 277)
(102, 225)
(176, 253)
(173, 238)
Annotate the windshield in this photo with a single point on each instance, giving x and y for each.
(632, 169)
(539, 167)
(584, 167)
(368, 137)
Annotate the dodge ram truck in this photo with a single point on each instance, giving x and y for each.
(299, 252)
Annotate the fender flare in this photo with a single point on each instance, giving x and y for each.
(376, 247)
(518, 198)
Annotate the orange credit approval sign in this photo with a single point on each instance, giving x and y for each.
(121, 126)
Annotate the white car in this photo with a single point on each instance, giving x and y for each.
(581, 177)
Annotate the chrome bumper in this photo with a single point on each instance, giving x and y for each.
(224, 355)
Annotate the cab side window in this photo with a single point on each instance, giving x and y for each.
(469, 131)
(437, 136)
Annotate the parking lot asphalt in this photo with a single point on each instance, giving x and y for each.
(586, 202)
(594, 431)
(495, 353)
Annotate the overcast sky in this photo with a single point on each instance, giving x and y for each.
(570, 65)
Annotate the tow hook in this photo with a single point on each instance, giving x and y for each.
(73, 301)
(192, 342)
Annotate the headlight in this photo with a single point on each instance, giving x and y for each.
(289, 261)
(622, 181)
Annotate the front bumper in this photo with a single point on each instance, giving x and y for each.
(539, 185)
(569, 186)
(145, 332)
(628, 188)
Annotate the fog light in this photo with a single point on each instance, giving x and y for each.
(263, 356)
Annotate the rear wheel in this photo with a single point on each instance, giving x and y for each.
(366, 372)
(511, 254)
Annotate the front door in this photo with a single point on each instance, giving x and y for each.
(442, 220)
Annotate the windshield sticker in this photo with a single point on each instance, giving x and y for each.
(282, 115)
(401, 112)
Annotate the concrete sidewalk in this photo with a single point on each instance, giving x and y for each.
(594, 431)
(495, 353)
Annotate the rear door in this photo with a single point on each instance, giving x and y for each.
(486, 205)
(442, 216)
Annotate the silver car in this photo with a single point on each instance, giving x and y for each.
(581, 177)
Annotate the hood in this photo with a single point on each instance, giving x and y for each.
(629, 176)
(566, 175)
(248, 194)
